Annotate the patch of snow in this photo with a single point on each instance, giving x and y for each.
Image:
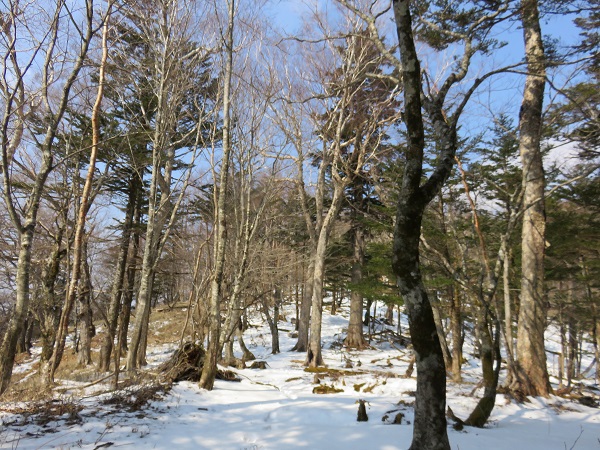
(276, 409)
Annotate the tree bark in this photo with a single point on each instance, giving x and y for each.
(17, 319)
(305, 306)
(457, 338)
(48, 314)
(119, 279)
(209, 371)
(84, 207)
(531, 354)
(572, 341)
(27, 224)
(429, 430)
(355, 337)
(143, 301)
(168, 78)
(435, 307)
(85, 319)
(313, 355)
(490, 353)
(508, 331)
(132, 270)
(563, 348)
(272, 320)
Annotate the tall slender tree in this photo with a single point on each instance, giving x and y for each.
(84, 206)
(209, 370)
(176, 75)
(531, 354)
(441, 24)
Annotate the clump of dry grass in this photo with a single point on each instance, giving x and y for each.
(136, 397)
(326, 389)
(44, 411)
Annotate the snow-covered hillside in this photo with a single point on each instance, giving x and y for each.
(276, 408)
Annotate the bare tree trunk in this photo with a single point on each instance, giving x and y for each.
(209, 371)
(305, 306)
(313, 355)
(248, 225)
(429, 431)
(247, 355)
(170, 73)
(435, 308)
(145, 324)
(143, 302)
(490, 352)
(355, 337)
(86, 325)
(298, 292)
(563, 348)
(119, 279)
(334, 296)
(508, 322)
(389, 314)
(274, 328)
(132, 269)
(228, 356)
(457, 338)
(572, 341)
(272, 320)
(595, 319)
(531, 354)
(15, 324)
(367, 318)
(22, 342)
(49, 314)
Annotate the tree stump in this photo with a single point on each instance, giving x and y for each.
(362, 411)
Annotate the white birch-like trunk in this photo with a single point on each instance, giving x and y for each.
(313, 356)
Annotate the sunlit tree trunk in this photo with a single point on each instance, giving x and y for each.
(355, 337)
(313, 356)
(305, 306)
(209, 370)
(531, 353)
(457, 338)
(170, 77)
(85, 317)
(130, 284)
(508, 321)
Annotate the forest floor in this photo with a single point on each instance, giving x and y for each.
(278, 407)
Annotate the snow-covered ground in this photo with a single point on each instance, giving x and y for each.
(276, 409)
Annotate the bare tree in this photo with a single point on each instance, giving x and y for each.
(48, 101)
